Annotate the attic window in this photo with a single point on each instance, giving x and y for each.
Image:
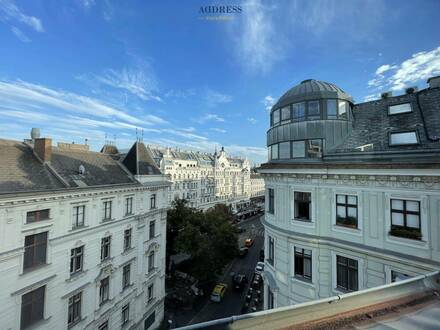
(399, 108)
(403, 138)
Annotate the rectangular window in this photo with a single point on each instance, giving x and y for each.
(285, 113)
(78, 216)
(271, 251)
(107, 206)
(298, 149)
(32, 307)
(303, 203)
(298, 111)
(35, 247)
(398, 276)
(332, 112)
(125, 314)
(104, 289)
(153, 201)
(150, 292)
(274, 151)
(399, 108)
(126, 276)
(152, 229)
(403, 138)
(276, 117)
(76, 259)
(105, 248)
(127, 239)
(347, 273)
(270, 299)
(129, 205)
(35, 216)
(405, 219)
(303, 263)
(314, 148)
(284, 150)
(313, 111)
(343, 110)
(149, 321)
(74, 312)
(271, 203)
(346, 211)
(151, 261)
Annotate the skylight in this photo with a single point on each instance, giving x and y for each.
(399, 108)
(403, 138)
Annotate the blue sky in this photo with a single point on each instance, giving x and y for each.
(87, 69)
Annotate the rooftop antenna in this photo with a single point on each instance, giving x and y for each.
(137, 135)
(142, 135)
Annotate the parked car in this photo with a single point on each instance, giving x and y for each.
(243, 251)
(240, 281)
(261, 258)
(259, 268)
(218, 292)
(249, 242)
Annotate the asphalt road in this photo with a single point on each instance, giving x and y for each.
(234, 300)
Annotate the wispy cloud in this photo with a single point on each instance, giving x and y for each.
(20, 35)
(209, 117)
(252, 120)
(371, 97)
(268, 102)
(214, 98)
(10, 12)
(418, 67)
(218, 130)
(181, 93)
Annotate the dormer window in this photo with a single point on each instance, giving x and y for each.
(399, 108)
(403, 138)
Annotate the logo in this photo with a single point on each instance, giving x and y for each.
(220, 12)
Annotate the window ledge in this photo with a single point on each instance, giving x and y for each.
(72, 325)
(304, 281)
(37, 225)
(77, 275)
(127, 251)
(304, 223)
(407, 241)
(78, 228)
(30, 270)
(348, 230)
(39, 323)
(128, 287)
(107, 220)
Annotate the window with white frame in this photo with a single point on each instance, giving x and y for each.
(346, 211)
(151, 261)
(76, 259)
(346, 274)
(403, 138)
(399, 108)
(303, 206)
(105, 248)
(32, 307)
(107, 210)
(125, 314)
(129, 205)
(74, 309)
(126, 270)
(150, 292)
(405, 219)
(127, 239)
(303, 263)
(79, 216)
(104, 290)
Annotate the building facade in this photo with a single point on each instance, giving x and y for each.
(352, 191)
(82, 238)
(256, 185)
(205, 179)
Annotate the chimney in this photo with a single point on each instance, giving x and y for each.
(43, 149)
(386, 95)
(434, 82)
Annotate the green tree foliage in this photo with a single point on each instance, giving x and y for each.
(207, 237)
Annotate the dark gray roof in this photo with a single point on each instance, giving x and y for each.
(372, 123)
(21, 171)
(100, 169)
(139, 161)
(311, 89)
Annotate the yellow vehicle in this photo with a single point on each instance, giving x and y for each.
(218, 292)
(248, 242)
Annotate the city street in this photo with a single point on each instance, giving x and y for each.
(234, 300)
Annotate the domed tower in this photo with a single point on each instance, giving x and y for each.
(307, 120)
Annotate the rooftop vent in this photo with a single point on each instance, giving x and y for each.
(411, 90)
(82, 169)
(386, 95)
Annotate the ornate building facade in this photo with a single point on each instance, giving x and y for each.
(205, 179)
(352, 191)
(82, 237)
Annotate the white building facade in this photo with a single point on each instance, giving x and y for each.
(256, 185)
(350, 205)
(82, 240)
(205, 179)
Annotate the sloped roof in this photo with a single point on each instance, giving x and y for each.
(139, 161)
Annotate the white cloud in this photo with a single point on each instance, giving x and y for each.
(254, 43)
(181, 93)
(268, 102)
(20, 35)
(252, 120)
(10, 12)
(218, 130)
(28, 95)
(412, 71)
(209, 117)
(371, 97)
(214, 98)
